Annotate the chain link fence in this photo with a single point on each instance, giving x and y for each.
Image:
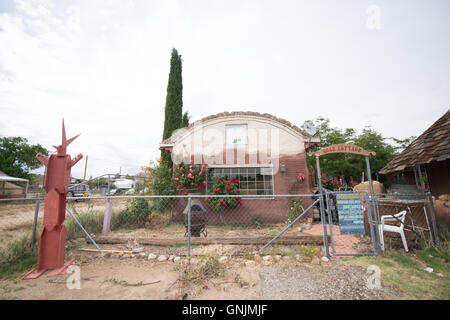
(289, 224)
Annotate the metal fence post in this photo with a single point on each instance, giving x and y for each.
(322, 209)
(189, 226)
(36, 213)
(330, 224)
(433, 219)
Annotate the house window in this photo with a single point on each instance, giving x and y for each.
(236, 134)
(252, 180)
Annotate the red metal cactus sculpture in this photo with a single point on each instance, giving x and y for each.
(53, 238)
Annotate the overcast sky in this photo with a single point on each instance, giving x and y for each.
(104, 65)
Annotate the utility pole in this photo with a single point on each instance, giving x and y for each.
(85, 167)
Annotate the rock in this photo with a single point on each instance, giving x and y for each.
(151, 256)
(325, 259)
(125, 256)
(137, 250)
(171, 257)
(428, 269)
(194, 261)
(186, 261)
(440, 275)
(307, 226)
(249, 263)
(107, 255)
(299, 229)
(277, 257)
(286, 258)
(223, 259)
(315, 261)
(162, 258)
(177, 259)
(267, 258)
(298, 257)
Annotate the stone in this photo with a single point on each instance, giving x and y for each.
(428, 269)
(299, 229)
(171, 257)
(277, 257)
(107, 255)
(440, 275)
(151, 256)
(325, 259)
(177, 259)
(307, 226)
(223, 259)
(249, 263)
(267, 258)
(194, 261)
(125, 256)
(298, 257)
(286, 258)
(162, 258)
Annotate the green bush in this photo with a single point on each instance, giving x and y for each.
(135, 214)
(16, 257)
(295, 209)
(162, 184)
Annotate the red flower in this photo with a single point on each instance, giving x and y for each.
(238, 190)
(236, 181)
(218, 180)
(190, 170)
(204, 183)
(176, 179)
(228, 189)
(227, 182)
(221, 201)
(218, 189)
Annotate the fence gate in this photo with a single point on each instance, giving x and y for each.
(349, 220)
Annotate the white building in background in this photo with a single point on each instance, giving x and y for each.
(124, 184)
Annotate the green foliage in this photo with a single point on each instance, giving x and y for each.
(186, 119)
(135, 214)
(225, 186)
(18, 157)
(350, 165)
(16, 257)
(189, 175)
(162, 184)
(173, 113)
(295, 209)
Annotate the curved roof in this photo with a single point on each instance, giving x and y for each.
(169, 141)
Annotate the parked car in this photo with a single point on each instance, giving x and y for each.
(115, 191)
(78, 190)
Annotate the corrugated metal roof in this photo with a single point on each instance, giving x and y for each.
(432, 145)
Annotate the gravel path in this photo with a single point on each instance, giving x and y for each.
(302, 283)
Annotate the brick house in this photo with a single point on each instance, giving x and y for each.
(265, 153)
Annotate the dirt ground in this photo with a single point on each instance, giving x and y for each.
(248, 276)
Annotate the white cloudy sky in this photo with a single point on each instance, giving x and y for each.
(103, 66)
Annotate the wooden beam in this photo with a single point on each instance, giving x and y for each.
(285, 240)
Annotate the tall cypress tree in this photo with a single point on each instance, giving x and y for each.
(173, 118)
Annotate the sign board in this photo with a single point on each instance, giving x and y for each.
(351, 218)
(343, 148)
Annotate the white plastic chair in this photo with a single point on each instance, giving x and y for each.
(387, 227)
